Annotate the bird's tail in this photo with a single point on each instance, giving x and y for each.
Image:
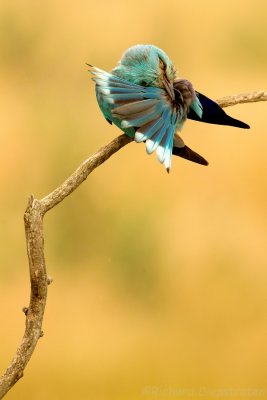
(214, 114)
(181, 150)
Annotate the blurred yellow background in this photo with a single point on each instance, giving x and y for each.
(159, 281)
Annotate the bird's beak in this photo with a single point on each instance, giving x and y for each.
(169, 88)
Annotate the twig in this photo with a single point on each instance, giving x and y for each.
(33, 219)
(259, 95)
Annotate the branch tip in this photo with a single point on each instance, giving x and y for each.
(25, 310)
(49, 280)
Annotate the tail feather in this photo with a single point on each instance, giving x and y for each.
(214, 114)
(188, 154)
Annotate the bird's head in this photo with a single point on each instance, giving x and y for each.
(146, 65)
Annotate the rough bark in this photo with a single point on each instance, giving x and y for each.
(253, 97)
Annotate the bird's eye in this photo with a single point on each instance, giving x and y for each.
(143, 83)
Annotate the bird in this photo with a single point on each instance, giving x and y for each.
(143, 97)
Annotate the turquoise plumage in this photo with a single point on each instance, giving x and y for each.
(142, 97)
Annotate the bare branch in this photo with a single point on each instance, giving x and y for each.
(82, 172)
(33, 220)
(34, 313)
(253, 97)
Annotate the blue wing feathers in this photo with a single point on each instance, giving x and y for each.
(148, 110)
(111, 83)
(136, 107)
(140, 119)
(164, 150)
(146, 131)
(154, 141)
(107, 90)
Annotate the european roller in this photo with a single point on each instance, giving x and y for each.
(143, 97)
